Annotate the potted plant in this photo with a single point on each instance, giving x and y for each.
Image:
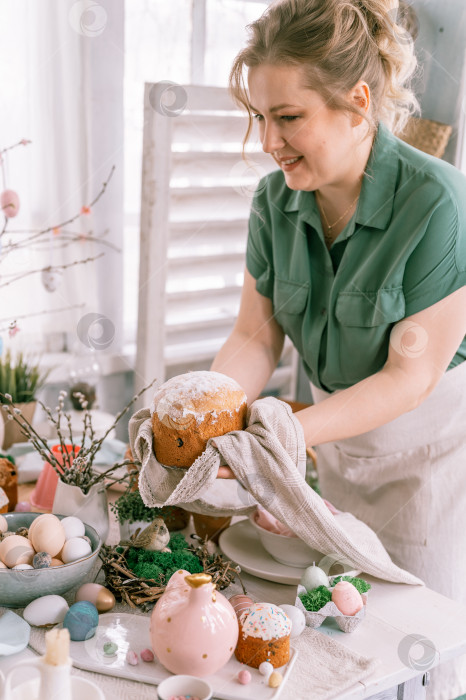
(132, 513)
(79, 488)
(21, 378)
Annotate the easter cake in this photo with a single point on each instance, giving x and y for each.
(264, 635)
(189, 409)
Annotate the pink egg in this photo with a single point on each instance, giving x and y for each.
(22, 507)
(9, 201)
(240, 603)
(347, 598)
(147, 655)
(244, 676)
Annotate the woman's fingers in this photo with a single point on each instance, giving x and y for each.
(225, 473)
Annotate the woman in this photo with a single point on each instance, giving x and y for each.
(357, 251)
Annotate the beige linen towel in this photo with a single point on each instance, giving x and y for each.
(267, 459)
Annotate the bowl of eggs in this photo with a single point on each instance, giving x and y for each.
(291, 551)
(43, 554)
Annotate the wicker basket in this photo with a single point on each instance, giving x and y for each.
(426, 135)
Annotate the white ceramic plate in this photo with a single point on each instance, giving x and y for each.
(132, 631)
(240, 542)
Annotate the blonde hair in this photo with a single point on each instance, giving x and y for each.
(338, 43)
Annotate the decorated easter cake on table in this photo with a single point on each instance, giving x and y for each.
(264, 635)
(189, 409)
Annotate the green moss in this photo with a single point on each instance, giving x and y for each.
(316, 599)
(359, 583)
(159, 566)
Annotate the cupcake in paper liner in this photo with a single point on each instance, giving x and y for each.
(347, 623)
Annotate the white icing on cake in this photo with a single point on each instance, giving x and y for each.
(265, 621)
(175, 397)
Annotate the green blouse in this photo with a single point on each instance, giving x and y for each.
(403, 250)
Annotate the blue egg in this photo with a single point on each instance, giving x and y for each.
(81, 620)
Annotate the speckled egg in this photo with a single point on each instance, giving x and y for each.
(47, 534)
(313, 577)
(16, 550)
(74, 527)
(3, 524)
(347, 598)
(47, 610)
(98, 595)
(81, 620)
(74, 549)
(42, 560)
(298, 621)
(265, 668)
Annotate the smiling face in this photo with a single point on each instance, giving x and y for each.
(314, 145)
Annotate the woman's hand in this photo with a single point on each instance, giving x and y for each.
(225, 473)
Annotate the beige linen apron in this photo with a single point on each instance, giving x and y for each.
(407, 481)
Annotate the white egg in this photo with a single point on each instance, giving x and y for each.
(47, 610)
(266, 668)
(313, 577)
(74, 527)
(298, 621)
(74, 549)
(22, 567)
(3, 524)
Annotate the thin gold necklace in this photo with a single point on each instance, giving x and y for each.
(328, 235)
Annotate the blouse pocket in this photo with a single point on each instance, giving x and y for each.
(289, 303)
(365, 320)
(391, 493)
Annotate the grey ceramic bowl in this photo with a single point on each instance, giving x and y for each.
(19, 587)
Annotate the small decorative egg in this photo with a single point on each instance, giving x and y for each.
(101, 597)
(347, 598)
(132, 658)
(3, 524)
(74, 549)
(9, 202)
(275, 679)
(244, 677)
(42, 560)
(81, 620)
(22, 567)
(56, 562)
(47, 534)
(47, 610)
(23, 507)
(16, 550)
(313, 577)
(22, 532)
(240, 603)
(265, 668)
(298, 621)
(110, 648)
(147, 655)
(74, 527)
(51, 278)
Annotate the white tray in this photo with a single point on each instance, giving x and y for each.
(132, 631)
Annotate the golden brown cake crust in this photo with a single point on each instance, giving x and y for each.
(191, 408)
(254, 650)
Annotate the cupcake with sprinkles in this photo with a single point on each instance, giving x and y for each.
(264, 635)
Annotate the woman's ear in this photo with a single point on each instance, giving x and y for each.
(360, 97)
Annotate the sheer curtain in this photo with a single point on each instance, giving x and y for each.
(62, 77)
